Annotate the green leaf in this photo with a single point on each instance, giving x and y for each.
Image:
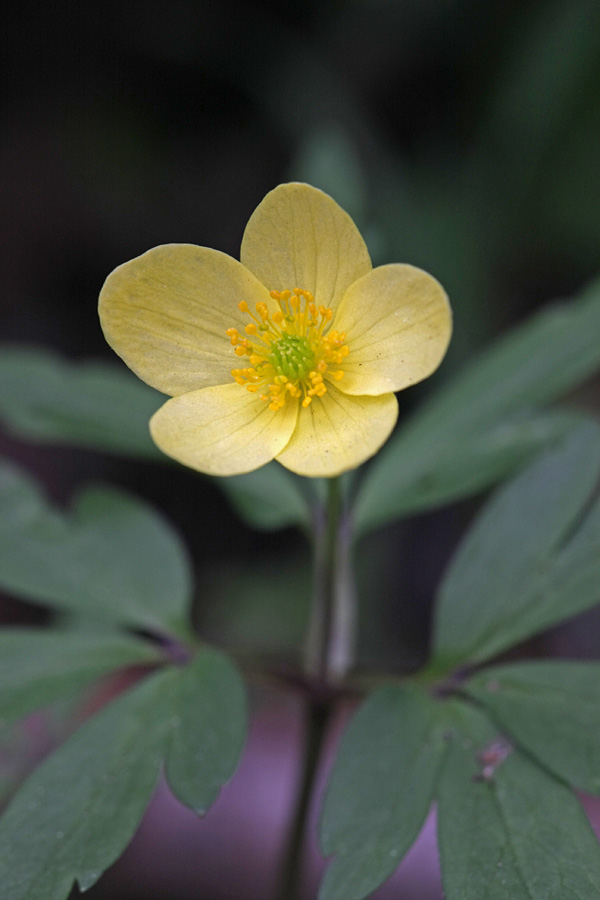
(481, 425)
(38, 666)
(269, 498)
(209, 729)
(380, 791)
(95, 405)
(550, 709)
(517, 570)
(465, 468)
(105, 407)
(517, 834)
(78, 811)
(112, 557)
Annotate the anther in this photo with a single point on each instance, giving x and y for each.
(290, 352)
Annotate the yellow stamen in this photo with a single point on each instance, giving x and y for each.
(291, 351)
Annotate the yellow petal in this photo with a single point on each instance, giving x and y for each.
(336, 433)
(166, 312)
(398, 323)
(299, 237)
(222, 430)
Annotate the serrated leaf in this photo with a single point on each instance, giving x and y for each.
(112, 557)
(476, 429)
(89, 404)
(514, 572)
(380, 790)
(209, 730)
(39, 666)
(552, 710)
(515, 834)
(75, 815)
(268, 498)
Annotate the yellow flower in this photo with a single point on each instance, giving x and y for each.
(292, 354)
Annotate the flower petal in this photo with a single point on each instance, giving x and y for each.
(166, 312)
(222, 430)
(337, 432)
(398, 323)
(299, 237)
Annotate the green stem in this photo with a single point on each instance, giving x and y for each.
(329, 656)
(331, 633)
(316, 718)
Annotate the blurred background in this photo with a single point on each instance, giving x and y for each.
(462, 137)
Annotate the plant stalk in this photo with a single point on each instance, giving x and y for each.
(316, 718)
(329, 656)
(331, 634)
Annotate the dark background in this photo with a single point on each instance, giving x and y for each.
(464, 137)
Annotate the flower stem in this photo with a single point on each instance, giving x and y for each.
(331, 634)
(329, 656)
(316, 718)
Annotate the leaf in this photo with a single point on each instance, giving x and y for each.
(515, 572)
(38, 666)
(380, 790)
(78, 811)
(268, 498)
(104, 407)
(87, 404)
(465, 469)
(477, 428)
(209, 730)
(111, 558)
(516, 835)
(551, 710)
(75, 815)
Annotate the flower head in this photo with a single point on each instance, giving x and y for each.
(292, 354)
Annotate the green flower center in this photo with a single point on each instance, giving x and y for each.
(291, 352)
(292, 356)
